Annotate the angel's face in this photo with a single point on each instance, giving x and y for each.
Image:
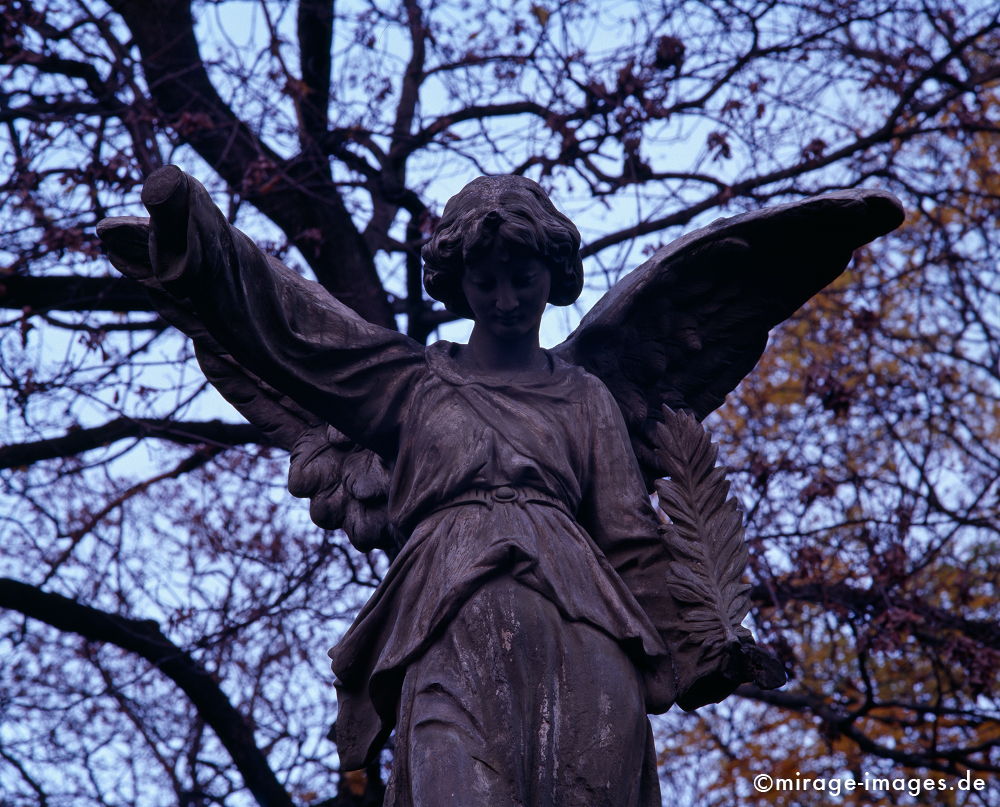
(507, 288)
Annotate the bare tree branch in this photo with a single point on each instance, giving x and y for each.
(145, 639)
(73, 293)
(297, 194)
(872, 602)
(315, 32)
(841, 722)
(213, 432)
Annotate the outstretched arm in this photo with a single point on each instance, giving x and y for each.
(288, 331)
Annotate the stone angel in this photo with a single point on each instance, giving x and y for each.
(536, 607)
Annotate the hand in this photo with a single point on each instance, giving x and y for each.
(165, 195)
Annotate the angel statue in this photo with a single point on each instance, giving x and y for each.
(536, 607)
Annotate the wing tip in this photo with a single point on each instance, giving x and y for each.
(886, 210)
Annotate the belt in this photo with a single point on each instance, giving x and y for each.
(490, 497)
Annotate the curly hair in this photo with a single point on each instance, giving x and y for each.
(515, 210)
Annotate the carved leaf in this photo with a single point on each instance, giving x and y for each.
(705, 534)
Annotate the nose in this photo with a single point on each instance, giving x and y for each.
(506, 298)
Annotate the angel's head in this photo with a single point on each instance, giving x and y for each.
(508, 216)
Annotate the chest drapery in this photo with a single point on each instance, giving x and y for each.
(465, 431)
(556, 434)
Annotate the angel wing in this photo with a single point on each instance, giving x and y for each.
(684, 328)
(679, 333)
(348, 485)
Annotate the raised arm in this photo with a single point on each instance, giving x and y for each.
(287, 330)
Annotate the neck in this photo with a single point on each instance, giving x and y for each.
(489, 353)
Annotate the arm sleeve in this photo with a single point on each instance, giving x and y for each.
(618, 515)
(290, 331)
(621, 520)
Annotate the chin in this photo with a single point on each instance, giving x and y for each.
(515, 330)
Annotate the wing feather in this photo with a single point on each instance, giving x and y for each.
(684, 328)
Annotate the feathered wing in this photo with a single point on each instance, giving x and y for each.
(679, 333)
(348, 485)
(684, 328)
